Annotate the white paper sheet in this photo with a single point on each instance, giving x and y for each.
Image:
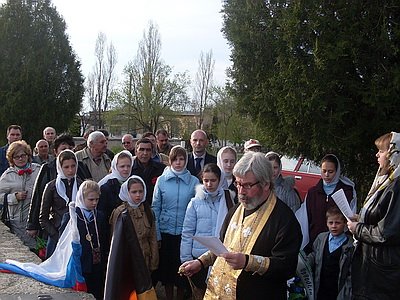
(212, 243)
(341, 201)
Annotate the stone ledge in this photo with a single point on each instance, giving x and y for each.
(14, 286)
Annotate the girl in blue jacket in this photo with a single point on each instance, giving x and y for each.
(204, 217)
(172, 193)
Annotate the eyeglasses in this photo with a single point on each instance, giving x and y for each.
(126, 143)
(22, 156)
(246, 186)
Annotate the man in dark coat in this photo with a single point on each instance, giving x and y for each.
(14, 133)
(145, 167)
(199, 157)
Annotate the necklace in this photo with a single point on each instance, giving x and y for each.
(88, 236)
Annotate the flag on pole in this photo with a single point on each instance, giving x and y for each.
(63, 268)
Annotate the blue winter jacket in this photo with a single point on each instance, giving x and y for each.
(200, 220)
(172, 194)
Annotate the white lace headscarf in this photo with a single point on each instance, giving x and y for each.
(224, 181)
(80, 199)
(222, 208)
(114, 171)
(60, 186)
(124, 192)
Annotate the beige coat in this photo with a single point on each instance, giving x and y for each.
(145, 231)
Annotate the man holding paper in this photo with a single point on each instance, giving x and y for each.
(262, 236)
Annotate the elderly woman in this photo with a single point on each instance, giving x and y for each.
(284, 186)
(376, 261)
(16, 185)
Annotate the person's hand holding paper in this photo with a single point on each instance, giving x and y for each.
(341, 201)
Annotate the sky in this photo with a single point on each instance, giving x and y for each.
(186, 27)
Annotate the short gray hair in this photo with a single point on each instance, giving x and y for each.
(258, 164)
(94, 136)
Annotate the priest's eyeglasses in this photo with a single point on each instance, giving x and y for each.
(246, 186)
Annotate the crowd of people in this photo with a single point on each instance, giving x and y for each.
(166, 199)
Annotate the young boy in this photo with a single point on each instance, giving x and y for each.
(331, 259)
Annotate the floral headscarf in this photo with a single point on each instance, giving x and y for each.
(382, 181)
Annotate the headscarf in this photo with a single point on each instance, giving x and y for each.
(381, 182)
(80, 200)
(221, 166)
(114, 171)
(186, 161)
(60, 186)
(271, 153)
(124, 192)
(330, 187)
(222, 209)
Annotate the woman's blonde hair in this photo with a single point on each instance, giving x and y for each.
(15, 147)
(383, 144)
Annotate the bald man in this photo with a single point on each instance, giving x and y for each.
(199, 157)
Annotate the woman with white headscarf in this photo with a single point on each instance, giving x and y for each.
(319, 199)
(376, 260)
(110, 185)
(226, 160)
(133, 196)
(57, 195)
(204, 217)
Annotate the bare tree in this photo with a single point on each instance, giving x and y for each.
(203, 85)
(100, 82)
(150, 91)
(224, 109)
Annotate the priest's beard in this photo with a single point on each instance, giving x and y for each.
(250, 203)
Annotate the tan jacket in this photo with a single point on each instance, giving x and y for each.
(145, 231)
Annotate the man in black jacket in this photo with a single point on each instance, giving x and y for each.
(145, 167)
(199, 157)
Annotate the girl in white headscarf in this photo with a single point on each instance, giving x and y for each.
(226, 160)
(376, 261)
(57, 195)
(121, 168)
(93, 237)
(133, 195)
(204, 217)
(312, 214)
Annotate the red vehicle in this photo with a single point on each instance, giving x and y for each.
(306, 173)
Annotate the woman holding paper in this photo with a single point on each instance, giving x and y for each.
(319, 197)
(376, 262)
